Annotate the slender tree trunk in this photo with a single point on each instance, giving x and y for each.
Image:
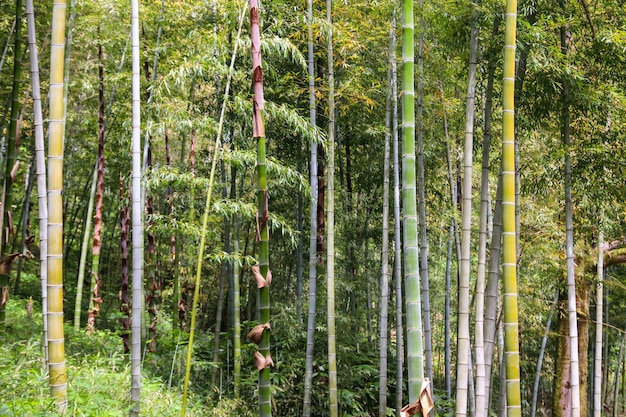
(428, 345)
(6, 45)
(152, 299)
(482, 375)
(618, 371)
(10, 169)
(137, 219)
(542, 351)
(397, 263)
(451, 241)
(95, 299)
(447, 352)
(219, 313)
(56, 127)
(40, 159)
(24, 224)
(313, 225)
(124, 239)
(415, 349)
(300, 248)
(236, 276)
(463, 338)
(511, 321)
(574, 383)
(330, 225)
(84, 248)
(491, 305)
(485, 210)
(597, 383)
(384, 257)
(205, 219)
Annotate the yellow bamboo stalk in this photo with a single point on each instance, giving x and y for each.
(509, 266)
(56, 341)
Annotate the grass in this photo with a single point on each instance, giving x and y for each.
(98, 376)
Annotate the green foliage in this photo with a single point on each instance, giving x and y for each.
(98, 371)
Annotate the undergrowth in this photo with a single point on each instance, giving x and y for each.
(98, 376)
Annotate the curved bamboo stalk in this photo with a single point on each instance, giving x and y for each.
(205, 219)
(56, 128)
(542, 351)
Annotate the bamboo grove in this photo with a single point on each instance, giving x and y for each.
(313, 208)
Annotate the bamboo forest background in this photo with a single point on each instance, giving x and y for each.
(196, 100)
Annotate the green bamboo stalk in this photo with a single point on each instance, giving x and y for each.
(313, 224)
(330, 225)
(415, 349)
(509, 264)
(258, 132)
(574, 381)
(236, 325)
(205, 219)
(56, 127)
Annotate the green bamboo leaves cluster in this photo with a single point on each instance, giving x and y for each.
(509, 265)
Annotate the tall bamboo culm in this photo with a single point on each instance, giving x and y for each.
(597, 373)
(56, 125)
(509, 265)
(415, 348)
(137, 219)
(333, 402)
(258, 132)
(310, 334)
(40, 157)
